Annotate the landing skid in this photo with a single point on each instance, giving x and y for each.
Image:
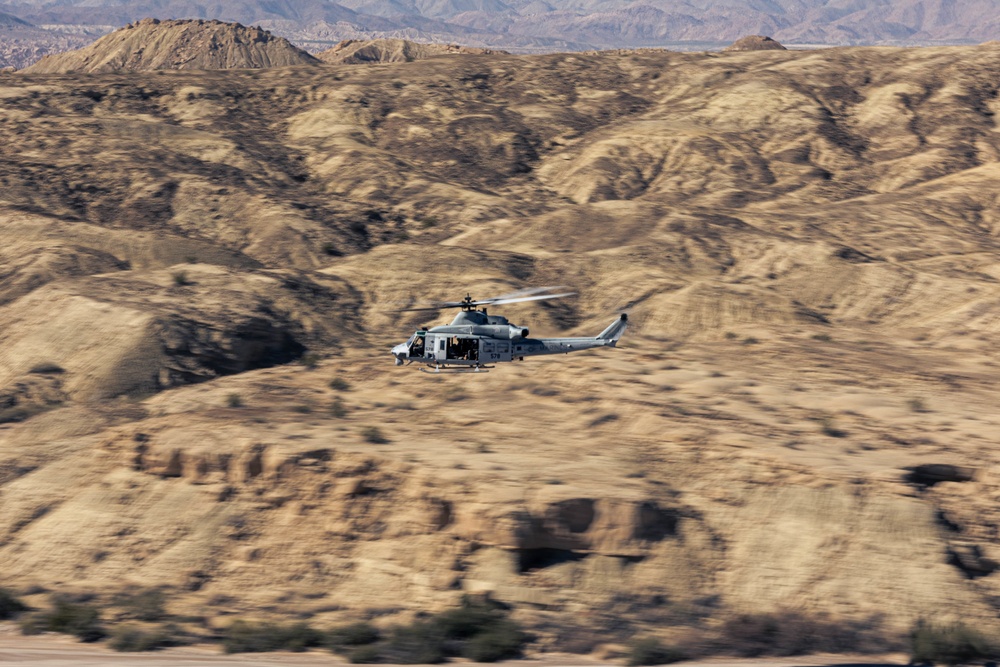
(445, 369)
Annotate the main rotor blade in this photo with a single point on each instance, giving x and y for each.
(523, 292)
(528, 294)
(522, 299)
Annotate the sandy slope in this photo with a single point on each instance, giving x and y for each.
(805, 243)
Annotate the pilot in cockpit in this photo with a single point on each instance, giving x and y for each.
(417, 348)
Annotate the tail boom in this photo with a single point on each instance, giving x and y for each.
(531, 347)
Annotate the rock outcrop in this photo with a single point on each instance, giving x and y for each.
(358, 51)
(755, 43)
(151, 44)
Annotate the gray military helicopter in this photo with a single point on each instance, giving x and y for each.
(476, 339)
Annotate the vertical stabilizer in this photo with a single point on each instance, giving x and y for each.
(615, 331)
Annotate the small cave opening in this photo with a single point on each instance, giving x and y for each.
(529, 560)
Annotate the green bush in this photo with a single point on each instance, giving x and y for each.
(355, 634)
(130, 639)
(953, 644)
(245, 637)
(10, 605)
(650, 651)
(80, 620)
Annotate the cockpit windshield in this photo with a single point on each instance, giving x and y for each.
(416, 344)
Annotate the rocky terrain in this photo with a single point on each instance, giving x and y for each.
(200, 278)
(22, 44)
(356, 52)
(152, 44)
(755, 43)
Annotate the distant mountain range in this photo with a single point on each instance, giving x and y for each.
(543, 25)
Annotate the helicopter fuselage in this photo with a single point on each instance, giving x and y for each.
(476, 339)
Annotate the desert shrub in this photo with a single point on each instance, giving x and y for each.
(355, 634)
(364, 655)
(83, 621)
(503, 639)
(373, 435)
(828, 427)
(477, 630)
(788, 633)
(338, 409)
(953, 644)
(144, 605)
(34, 624)
(823, 338)
(471, 618)
(330, 249)
(10, 605)
(234, 401)
(310, 360)
(750, 340)
(302, 409)
(650, 651)
(131, 639)
(47, 368)
(180, 278)
(420, 643)
(480, 630)
(340, 384)
(245, 637)
(19, 413)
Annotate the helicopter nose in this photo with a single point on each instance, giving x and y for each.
(400, 353)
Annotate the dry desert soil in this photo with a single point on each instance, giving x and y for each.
(802, 417)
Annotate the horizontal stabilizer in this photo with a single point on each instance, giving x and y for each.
(615, 331)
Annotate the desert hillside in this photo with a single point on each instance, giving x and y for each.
(22, 43)
(200, 279)
(361, 51)
(151, 44)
